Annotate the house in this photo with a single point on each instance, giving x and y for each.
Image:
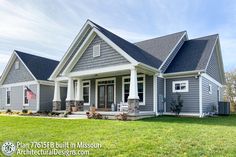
(25, 71)
(102, 69)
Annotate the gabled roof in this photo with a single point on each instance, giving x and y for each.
(131, 49)
(193, 55)
(161, 47)
(40, 67)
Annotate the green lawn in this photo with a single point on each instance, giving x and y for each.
(161, 136)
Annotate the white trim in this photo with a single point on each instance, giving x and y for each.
(155, 91)
(172, 51)
(19, 84)
(180, 90)
(38, 97)
(96, 89)
(175, 75)
(101, 70)
(25, 66)
(8, 90)
(205, 75)
(182, 76)
(24, 104)
(200, 96)
(144, 88)
(182, 114)
(87, 104)
(68, 53)
(8, 67)
(165, 94)
(51, 83)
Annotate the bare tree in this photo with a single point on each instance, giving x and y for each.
(230, 89)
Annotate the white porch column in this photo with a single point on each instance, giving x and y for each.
(79, 94)
(57, 95)
(133, 89)
(70, 90)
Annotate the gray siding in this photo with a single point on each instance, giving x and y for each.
(213, 67)
(2, 98)
(208, 100)
(108, 57)
(191, 98)
(160, 93)
(17, 99)
(19, 75)
(172, 56)
(149, 93)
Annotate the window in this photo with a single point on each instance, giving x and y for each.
(180, 86)
(25, 99)
(141, 89)
(8, 97)
(210, 89)
(86, 92)
(96, 50)
(17, 65)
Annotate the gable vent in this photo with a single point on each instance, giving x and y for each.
(96, 50)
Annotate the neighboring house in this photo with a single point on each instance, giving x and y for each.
(100, 68)
(27, 71)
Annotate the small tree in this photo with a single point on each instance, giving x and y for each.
(176, 104)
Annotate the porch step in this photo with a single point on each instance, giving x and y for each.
(76, 116)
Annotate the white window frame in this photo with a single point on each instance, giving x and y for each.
(181, 90)
(25, 104)
(96, 54)
(144, 88)
(89, 86)
(8, 90)
(210, 89)
(17, 65)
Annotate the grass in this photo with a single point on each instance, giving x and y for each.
(160, 136)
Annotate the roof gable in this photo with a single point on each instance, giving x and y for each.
(193, 55)
(40, 67)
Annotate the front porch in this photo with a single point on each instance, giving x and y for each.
(129, 90)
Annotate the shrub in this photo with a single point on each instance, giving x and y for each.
(94, 115)
(8, 111)
(122, 116)
(176, 104)
(24, 111)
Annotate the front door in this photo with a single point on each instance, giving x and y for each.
(105, 95)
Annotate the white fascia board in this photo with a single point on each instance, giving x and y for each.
(25, 66)
(171, 51)
(19, 84)
(101, 70)
(183, 73)
(145, 66)
(80, 52)
(208, 77)
(67, 54)
(7, 68)
(117, 48)
(50, 83)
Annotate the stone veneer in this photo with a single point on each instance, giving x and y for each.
(133, 106)
(56, 105)
(80, 105)
(69, 104)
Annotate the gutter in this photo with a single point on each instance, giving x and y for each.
(198, 72)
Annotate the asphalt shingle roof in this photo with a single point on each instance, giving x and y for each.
(131, 49)
(193, 55)
(40, 67)
(161, 47)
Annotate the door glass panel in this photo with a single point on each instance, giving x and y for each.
(110, 95)
(101, 96)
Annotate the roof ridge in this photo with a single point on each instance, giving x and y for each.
(159, 37)
(17, 51)
(206, 36)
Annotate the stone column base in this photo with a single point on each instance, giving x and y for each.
(133, 106)
(80, 105)
(56, 105)
(69, 104)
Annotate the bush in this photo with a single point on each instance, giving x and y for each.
(94, 115)
(24, 111)
(176, 105)
(8, 111)
(122, 116)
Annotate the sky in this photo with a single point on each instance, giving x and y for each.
(48, 27)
